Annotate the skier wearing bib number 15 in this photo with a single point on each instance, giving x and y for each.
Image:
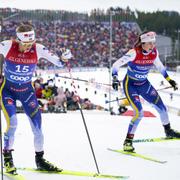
(21, 56)
(139, 61)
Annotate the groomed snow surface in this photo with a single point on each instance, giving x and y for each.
(66, 145)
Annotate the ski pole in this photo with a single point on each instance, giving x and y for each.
(83, 80)
(80, 108)
(164, 88)
(117, 99)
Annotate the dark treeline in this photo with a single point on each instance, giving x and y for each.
(163, 22)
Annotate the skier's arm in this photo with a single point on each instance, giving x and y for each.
(4, 47)
(160, 67)
(129, 56)
(44, 53)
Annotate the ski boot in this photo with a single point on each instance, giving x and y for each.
(43, 164)
(127, 146)
(171, 133)
(8, 162)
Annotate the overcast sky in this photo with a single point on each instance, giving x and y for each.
(87, 5)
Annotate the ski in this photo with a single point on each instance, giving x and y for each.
(160, 139)
(14, 176)
(134, 154)
(77, 173)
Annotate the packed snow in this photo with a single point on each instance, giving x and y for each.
(66, 143)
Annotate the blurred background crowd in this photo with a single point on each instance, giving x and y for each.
(96, 40)
(88, 41)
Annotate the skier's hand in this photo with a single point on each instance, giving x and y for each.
(66, 54)
(173, 84)
(115, 83)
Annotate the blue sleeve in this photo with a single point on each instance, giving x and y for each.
(129, 56)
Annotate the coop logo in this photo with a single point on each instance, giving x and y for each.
(140, 76)
(19, 78)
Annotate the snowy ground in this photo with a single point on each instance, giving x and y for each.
(67, 146)
(66, 142)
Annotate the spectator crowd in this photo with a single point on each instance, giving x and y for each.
(88, 41)
(57, 99)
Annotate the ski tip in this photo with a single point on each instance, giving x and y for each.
(134, 154)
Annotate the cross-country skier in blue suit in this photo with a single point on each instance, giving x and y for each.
(21, 56)
(140, 61)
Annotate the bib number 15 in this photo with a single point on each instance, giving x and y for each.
(22, 69)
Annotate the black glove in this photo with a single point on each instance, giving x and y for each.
(173, 84)
(115, 83)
